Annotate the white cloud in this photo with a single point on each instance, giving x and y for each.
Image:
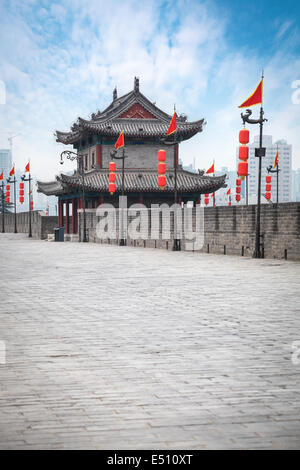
(67, 63)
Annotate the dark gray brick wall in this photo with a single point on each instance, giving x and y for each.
(41, 224)
(139, 156)
(231, 230)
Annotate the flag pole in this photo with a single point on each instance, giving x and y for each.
(259, 153)
(277, 177)
(15, 201)
(23, 178)
(2, 197)
(30, 230)
(214, 197)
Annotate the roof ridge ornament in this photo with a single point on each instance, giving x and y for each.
(115, 94)
(136, 84)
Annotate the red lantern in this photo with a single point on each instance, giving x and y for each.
(161, 155)
(244, 153)
(268, 187)
(206, 195)
(161, 168)
(238, 182)
(206, 200)
(238, 189)
(229, 203)
(21, 185)
(112, 177)
(244, 136)
(268, 196)
(31, 205)
(21, 192)
(111, 188)
(243, 169)
(238, 197)
(21, 199)
(161, 180)
(268, 179)
(8, 187)
(7, 200)
(112, 166)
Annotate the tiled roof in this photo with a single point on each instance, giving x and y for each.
(109, 123)
(135, 181)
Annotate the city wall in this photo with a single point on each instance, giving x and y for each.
(227, 230)
(41, 224)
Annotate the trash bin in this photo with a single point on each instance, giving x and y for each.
(59, 234)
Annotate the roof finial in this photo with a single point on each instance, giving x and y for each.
(136, 84)
(115, 94)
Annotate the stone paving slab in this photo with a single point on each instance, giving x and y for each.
(120, 348)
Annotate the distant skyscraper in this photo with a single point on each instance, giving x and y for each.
(285, 166)
(221, 195)
(296, 185)
(5, 162)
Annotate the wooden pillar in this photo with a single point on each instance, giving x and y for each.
(67, 217)
(60, 213)
(74, 215)
(141, 199)
(98, 156)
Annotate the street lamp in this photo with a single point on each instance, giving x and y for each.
(176, 245)
(23, 178)
(122, 157)
(3, 208)
(277, 170)
(74, 156)
(14, 181)
(259, 152)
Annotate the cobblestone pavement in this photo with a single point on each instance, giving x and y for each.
(116, 347)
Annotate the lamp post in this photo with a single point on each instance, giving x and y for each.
(176, 244)
(122, 157)
(259, 152)
(14, 181)
(74, 156)
(3, 208)
(29, 179)
(277, 170)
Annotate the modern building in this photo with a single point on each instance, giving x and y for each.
(296, 185)
(285, 166)
(145, 127)
(5, 162)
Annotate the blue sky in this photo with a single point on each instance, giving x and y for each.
(61, 59)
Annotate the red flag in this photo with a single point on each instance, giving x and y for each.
(1, 176)
(276, 160)
(27, 168)
(173, 125)
(228, 192)
(120, 141)
(12, 171)
(211, 169)
(255, 98)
